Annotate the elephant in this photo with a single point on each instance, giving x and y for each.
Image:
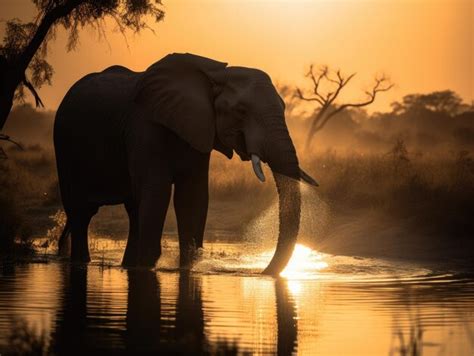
(125, 137)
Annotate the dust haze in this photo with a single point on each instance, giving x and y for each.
(394, 184)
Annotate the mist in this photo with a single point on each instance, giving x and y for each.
(394, 183)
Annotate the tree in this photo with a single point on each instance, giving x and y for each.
(23, 53)
(445, 102)
(328, 108)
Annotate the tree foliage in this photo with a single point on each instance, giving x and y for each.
(24, 51)
(446, 102)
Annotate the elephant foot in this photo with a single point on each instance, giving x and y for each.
(127, 262)
(131, 260)
(140, 256)
(188, 258)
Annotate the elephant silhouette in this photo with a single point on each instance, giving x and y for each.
(124, 137)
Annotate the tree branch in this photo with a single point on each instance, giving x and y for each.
(17, 66)
(316, 81)
(371, 95)
(38, 101)
(341, 82)
(45, 24)
(377, 89)
(327, 100)
(300, 95)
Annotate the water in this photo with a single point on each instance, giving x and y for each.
(326, 305)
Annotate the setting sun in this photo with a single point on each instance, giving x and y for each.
(303, 263)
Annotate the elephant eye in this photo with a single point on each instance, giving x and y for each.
(240, 110)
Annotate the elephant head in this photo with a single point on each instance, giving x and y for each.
(240, 111)
(250, 118)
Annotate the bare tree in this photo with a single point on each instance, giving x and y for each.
(24, 49)
(326, 101)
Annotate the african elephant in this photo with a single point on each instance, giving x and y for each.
(124, 137)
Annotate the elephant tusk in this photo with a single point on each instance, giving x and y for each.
(257, 167)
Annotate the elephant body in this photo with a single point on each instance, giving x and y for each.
(109, 153)
(124, 137)
(90, 135)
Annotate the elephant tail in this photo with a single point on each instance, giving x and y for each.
(64, 242)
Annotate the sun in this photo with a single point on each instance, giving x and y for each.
(304, 262)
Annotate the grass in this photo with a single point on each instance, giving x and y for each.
(434, 194)
(438, 192)
(27, 197)
(410, 206)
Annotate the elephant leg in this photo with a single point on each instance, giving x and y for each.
(131, 251)
(152, 210)
(79, 224)
(151, 180)
(191, 198)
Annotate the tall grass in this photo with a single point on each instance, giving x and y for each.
(435, 193)
(28, 193)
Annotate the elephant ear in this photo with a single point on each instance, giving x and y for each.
(178, 94)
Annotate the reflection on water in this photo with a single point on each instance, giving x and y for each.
(339, 306)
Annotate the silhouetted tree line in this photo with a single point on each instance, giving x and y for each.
(429, 120)
(425, 122)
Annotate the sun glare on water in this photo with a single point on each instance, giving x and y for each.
(303, 263)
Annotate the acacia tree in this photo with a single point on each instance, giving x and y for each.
(23, 53)
(327, 107)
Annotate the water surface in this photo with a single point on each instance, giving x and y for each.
(329, 305)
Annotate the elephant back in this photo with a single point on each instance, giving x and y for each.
(90, 130)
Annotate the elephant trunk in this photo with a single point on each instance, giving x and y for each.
(286, 172)
(289, 199)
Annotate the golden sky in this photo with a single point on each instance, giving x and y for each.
(423, 45)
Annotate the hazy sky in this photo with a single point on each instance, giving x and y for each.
(423, 45)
